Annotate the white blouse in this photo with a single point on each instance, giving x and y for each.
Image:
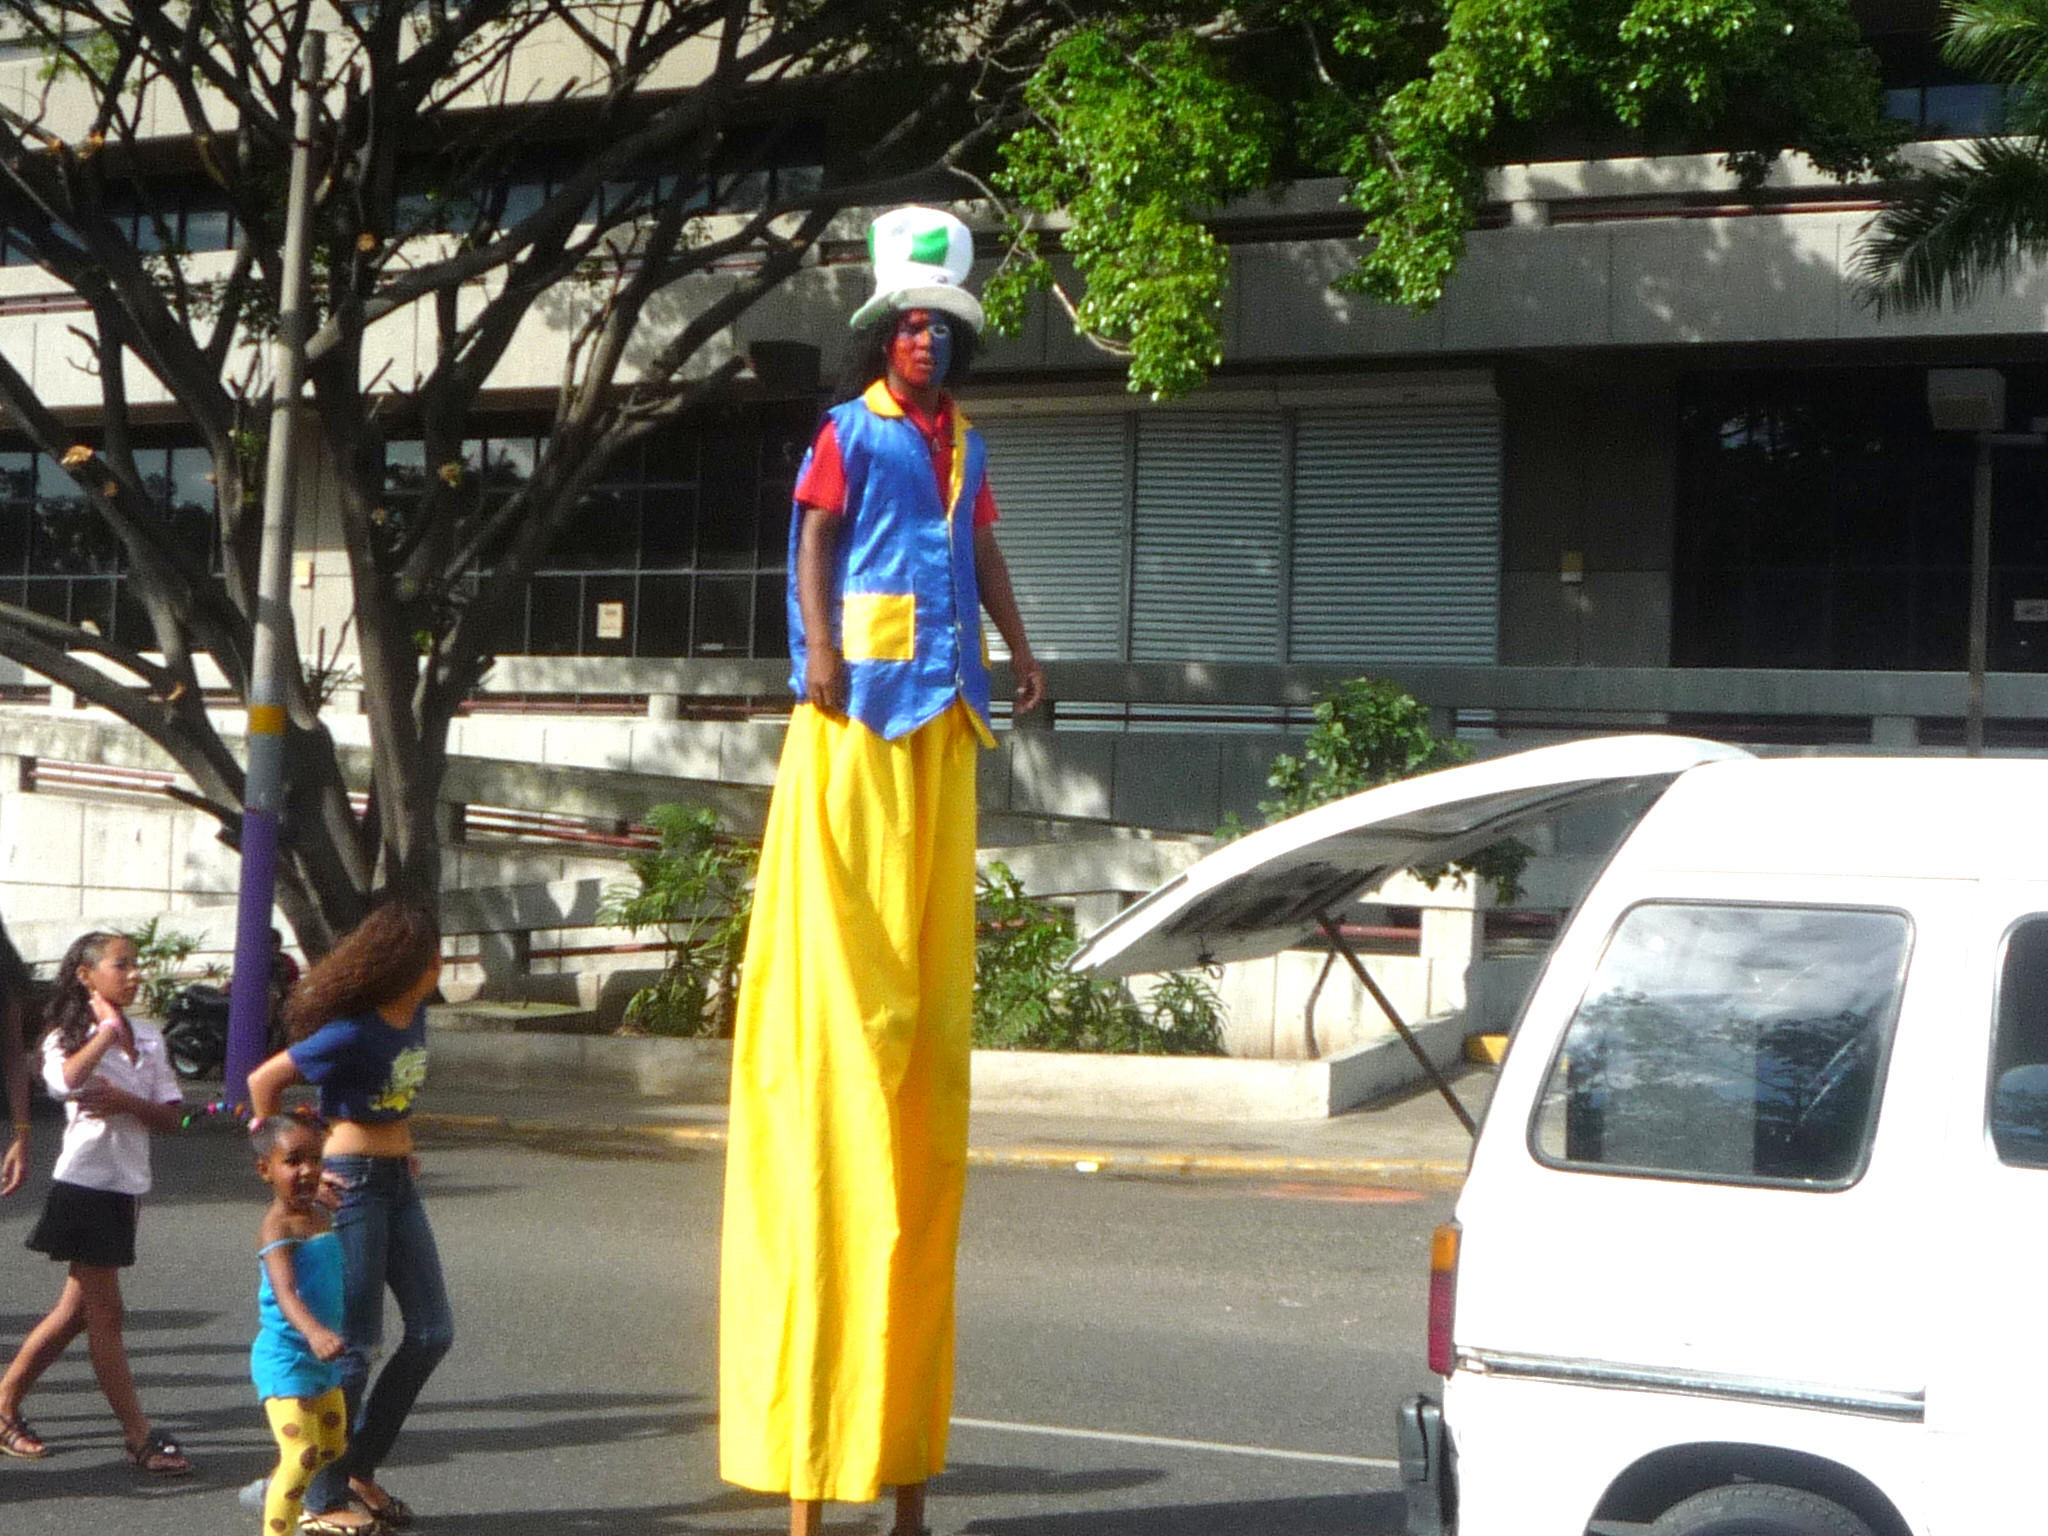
(111, 1152)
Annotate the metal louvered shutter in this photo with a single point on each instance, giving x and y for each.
(1059, 484)
(1209, 528)
(1396, 544)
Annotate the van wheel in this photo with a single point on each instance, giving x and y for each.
(1759, 1509)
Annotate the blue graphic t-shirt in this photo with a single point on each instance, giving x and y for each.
(366, 1070)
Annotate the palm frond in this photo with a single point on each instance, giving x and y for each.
(2004, 40)
(1953, 229)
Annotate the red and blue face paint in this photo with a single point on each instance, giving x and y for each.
(921, 348)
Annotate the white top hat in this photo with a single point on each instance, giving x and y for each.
(921, 257)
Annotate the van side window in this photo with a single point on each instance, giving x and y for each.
(1735, 1043)
(2019, 1051)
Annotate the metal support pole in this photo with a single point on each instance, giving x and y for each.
(1394, 1018)
(263, 796)
(1980, 599)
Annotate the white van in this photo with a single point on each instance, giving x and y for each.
(1755, 1238)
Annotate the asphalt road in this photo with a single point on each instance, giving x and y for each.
(1206, 1358)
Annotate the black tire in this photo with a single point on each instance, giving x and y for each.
(1759, 1509)
(190, 1057)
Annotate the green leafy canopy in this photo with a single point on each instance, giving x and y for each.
(1147, 118)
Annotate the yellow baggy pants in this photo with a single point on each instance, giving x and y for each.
(848, 1150)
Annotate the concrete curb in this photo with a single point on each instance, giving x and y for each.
(655, 1140)
(480, 1049)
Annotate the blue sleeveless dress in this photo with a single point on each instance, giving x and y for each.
(280, 1361)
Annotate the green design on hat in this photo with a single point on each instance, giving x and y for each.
(921, 259)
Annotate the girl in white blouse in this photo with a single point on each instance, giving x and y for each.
(116, 1085)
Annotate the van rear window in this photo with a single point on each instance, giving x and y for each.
(1742, 1044)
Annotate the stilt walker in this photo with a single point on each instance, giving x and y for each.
(848, 1152)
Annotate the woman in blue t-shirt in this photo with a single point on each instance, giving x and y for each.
(360, 1019)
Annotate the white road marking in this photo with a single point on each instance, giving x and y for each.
(1378, 1463)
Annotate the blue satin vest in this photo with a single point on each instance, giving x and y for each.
(904, 595)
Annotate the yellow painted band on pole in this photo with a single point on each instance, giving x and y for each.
(266, 719)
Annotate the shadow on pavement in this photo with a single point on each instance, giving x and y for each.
(966, 1480)
(1366, 1514)
(644, 1520)
(136, 1319)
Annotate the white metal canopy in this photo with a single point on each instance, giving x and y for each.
(1265, 892)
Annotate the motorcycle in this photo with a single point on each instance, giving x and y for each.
(196, 1024)
(196, 1029)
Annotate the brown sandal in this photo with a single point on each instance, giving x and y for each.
(393, 1511)
(159, 1456)
(327, 1525)
(18, 1440)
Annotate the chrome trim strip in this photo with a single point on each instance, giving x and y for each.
(1869, 1402)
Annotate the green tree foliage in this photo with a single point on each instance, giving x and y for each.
(696, 890)
(1147, 115)
(1026, 999)
(1370, 732)
(1970, 220)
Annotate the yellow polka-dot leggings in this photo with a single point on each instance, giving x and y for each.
(310, 1432)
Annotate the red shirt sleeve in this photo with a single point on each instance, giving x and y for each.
(824, 480)
(985, 512)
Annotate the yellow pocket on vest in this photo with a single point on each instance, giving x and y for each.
(880, 626)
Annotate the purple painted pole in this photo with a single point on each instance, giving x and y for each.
(275, 647)
(249, 995)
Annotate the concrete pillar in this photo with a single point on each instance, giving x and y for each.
(451, 822)
(665, 707)
(506, 959)
(1092, 909)
(1894, 733)
(1040, 719)
(17, 773)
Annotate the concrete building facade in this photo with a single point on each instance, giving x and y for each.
(1650, 462)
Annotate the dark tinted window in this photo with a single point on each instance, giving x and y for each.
(2019, 1061)
(678, 550)
(1731, 1043)
(1822, 521)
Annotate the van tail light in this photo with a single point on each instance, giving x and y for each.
(1443, 1288)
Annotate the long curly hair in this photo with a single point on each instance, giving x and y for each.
(68, 1014)
(868, 358)
(375, 961)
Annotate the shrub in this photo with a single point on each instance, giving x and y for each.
(1370, 732)
(161, 954)
(696, 889)
(1026, 999)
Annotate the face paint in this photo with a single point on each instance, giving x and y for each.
(921, 348)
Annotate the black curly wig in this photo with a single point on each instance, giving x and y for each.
(867, 358)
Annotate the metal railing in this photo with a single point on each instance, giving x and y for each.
(1895, 710)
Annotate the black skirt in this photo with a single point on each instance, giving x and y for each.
(87, 1226)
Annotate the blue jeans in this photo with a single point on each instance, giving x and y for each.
(385, 1241)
